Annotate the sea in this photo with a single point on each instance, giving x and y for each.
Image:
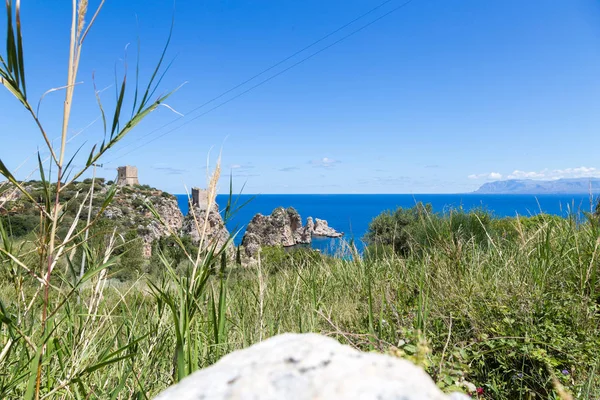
(352, 213)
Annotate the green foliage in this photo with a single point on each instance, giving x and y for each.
(19, 225)
(418, 228)
(131, 261)
(175, 249)
(394, 228)
(277, 257)
(56, 337)
(378, 252)
(503, 313)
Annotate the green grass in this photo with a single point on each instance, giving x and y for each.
(505, 315)
(506, 306)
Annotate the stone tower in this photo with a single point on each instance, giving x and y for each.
(127, 176)
(199, 198)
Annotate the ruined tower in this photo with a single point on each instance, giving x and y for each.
(127, 176)
(199, 198)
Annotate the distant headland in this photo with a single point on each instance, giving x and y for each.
(530, 186)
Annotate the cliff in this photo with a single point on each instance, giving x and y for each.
(215, 233)
(127, 211)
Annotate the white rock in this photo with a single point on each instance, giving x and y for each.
(303, 367)
(322, 228)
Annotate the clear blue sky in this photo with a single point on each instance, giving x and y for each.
(437, 97)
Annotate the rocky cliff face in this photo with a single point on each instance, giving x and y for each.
(128, 209)
(283, 228)
(215, 231)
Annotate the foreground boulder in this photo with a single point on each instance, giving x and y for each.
(305, 367)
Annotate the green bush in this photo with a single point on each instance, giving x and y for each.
(131, 261)
(19, 225)
(278, 257)
(169, 247)
(394, 228)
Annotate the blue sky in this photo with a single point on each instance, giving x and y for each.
(438, 97)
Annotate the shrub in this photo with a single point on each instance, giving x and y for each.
(20, 225)
(132, 261)
(393, 228)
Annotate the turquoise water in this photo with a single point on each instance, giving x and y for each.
(351, 213)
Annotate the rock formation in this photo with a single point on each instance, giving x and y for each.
(307, 231)
(283, 228)
(321, 228)
(306, 367)
(129, 210)
(215, 231)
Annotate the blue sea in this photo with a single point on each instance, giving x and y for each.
(351, 214)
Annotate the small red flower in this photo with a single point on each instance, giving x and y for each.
(480, 391)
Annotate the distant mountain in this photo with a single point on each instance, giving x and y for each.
(529, 186)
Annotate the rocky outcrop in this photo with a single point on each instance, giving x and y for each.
(283, 228)
(306, 367)
(129, 210)
(8, 193)
(307, 231)
(322, 228)
(215, 233)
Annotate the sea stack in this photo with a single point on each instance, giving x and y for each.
(283, 228)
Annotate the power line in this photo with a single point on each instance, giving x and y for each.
(269, 78)
(261, 73)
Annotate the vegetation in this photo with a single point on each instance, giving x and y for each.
(512, 315)
(500, 308)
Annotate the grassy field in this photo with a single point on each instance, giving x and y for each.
(499, 308)
(510, 314)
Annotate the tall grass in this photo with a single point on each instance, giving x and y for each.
(63, 337)
(513, 311)
(509, 316)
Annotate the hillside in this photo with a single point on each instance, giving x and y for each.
(529, 186)
(126, 213)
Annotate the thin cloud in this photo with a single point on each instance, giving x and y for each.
(567, 173)
(544, 174)
(169, 170)
(491, 176)
(325, 162)
(433, 166)
(288, 169)
(241, 168)
(516, 174)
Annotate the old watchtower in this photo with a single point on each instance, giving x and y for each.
(127, 176)
(199, 198)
